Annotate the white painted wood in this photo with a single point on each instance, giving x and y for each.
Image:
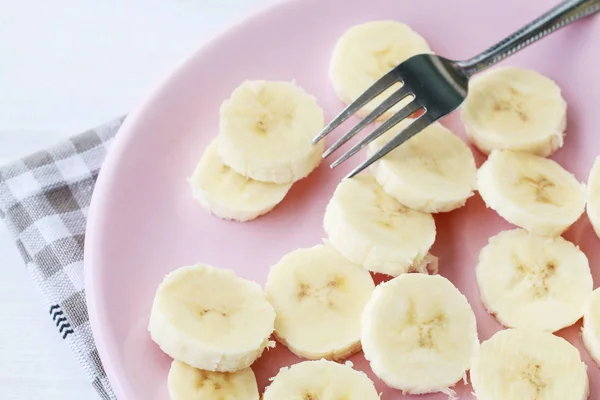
(64, 67)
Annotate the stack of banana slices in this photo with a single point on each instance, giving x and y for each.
(263, 146)
(416, 329)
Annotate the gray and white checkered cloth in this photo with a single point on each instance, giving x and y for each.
(44, 200)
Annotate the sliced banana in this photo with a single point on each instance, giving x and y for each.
(419, 333)
(371, 228)
(531, 281)
(229, 195)
(188, 383)
(366, 52)
(211, 319)
(515, 109)
(591, 326)
(322, 379)
(433, 172)
(593, 196)
(266, 130)
(318, 298)
(531, 192)
(524, 364)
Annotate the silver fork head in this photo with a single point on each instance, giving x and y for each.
(437, 86)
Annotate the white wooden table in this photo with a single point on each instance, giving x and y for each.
(64, 67)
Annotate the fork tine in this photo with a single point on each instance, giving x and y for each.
(388, 103)
(390, 123)
(373, 91)
(415, 127)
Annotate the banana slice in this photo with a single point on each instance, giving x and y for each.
(591, 326)
(523, 364)
(318, 298)
(229, 195)
(189, 383)
(322, 379)
(530, 281)
(593, 196)
(419, 333)
(366, 52)
(266, 130)
(515, 109)
(371, 228)
(211, 319)
(433, 172)
(531, 192)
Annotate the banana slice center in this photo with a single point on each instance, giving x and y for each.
(424, 158)
(540, 188)
(269, 121)
(213, 311)
(531, 375)
(322, 294)
(534, 277)
(390, 218)
(309, 395)
(213, 382)
(274, 115)
(420, 330)
(386, 59)
(514, 103)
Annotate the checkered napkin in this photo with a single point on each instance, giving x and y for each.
(44, 200)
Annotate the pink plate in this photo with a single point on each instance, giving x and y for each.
(144, 223)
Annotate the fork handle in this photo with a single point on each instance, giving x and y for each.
(563, 14)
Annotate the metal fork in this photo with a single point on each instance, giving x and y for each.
(438, 85)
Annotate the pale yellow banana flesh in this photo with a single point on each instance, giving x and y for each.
(223, 192)
(593, 196)
(211, 319)
(320, 379)
(530, 281)
(515, 109)
(369, 227)
(266, 130)
(318, 297)
(433, 172)
(419, 333)
(522, 364)
(531, 192)
(188, 383)
(366, 52)
(591, 326)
